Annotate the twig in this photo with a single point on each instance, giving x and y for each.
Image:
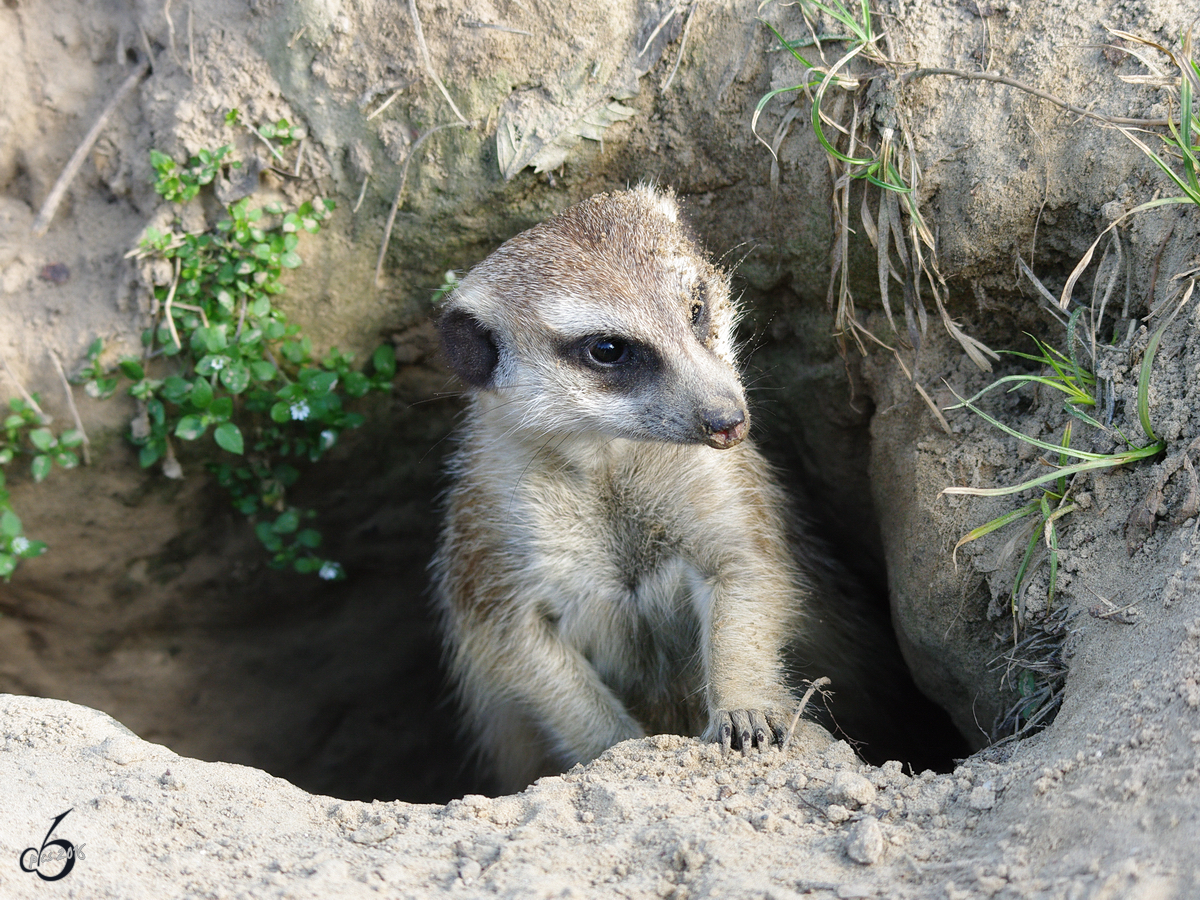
(662, 23)
(495, 27)
(86, 445)
(50, 207)
(682, 46)
(191, 41)
(812, 688)
(270, 146)
(386, 103)
(171, 31)
(167, 306)
(25, 395)
(412, 10)
(196, 309)
(299, 158)
(362, 193)
(412, 152)
(906, 77)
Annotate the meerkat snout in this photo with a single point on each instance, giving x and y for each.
(726, 426)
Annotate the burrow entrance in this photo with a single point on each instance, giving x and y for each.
(338, 687)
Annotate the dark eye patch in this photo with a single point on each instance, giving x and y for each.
(619, 363)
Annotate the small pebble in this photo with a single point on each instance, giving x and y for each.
(851, 790)
(864, 843)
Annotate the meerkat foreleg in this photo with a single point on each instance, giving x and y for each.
(749, 702)
(560, 694)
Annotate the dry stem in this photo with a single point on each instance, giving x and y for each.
(812, 688)
(25, 395)
(86, 445)
(412, 152)
(50, 207)
(412, 9)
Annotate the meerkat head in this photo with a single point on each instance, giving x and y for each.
(604, 319)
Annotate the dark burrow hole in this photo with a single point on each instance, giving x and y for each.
(338, 687)
(386, 726)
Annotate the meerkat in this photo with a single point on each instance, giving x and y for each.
(615, 559)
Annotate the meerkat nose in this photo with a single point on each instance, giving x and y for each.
(726, 427)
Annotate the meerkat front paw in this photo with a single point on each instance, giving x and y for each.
(745, 728)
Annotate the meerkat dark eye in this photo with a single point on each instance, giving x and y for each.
(697, 312)
(608, 351)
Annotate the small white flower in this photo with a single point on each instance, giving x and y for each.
(328, 438)
(329, 571)
(300, 410)
(218, 363)
(20, 544)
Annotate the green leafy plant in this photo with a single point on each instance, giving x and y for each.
(1181, 143)
(904, 245)
(219, 359)
(25, 434)
(281, 131)
(179, 184)
(1069, 377)
(233, 367)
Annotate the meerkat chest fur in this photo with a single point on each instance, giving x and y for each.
(613, 558)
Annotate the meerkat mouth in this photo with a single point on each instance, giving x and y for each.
(728, 437)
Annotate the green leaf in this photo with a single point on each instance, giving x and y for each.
(132, 369)
(100, 388)
(71, 438)
(8, 565)
(175, 389)
(262, 370)
(149, 455)
(236, 376)
(310, 538)
(269, 538)
(384, 361)
(34, 548)
(229, 437)
(42, 438)
(66, 459)
(10, 525)
(190, 428)
(40, 467)
(202, 393)
(289, 259)
(210, 338)
(221, 409)
(357, 384)
(317, 381)
(288, 521)
(281, 412)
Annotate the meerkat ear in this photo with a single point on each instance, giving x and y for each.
(470, 347)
